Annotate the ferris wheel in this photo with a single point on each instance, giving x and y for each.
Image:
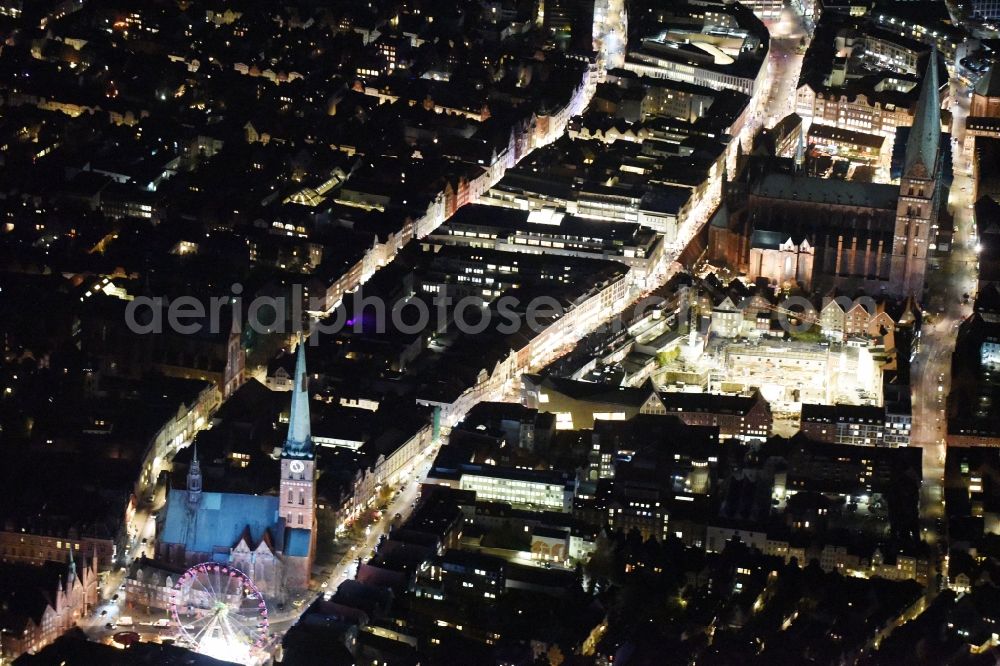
(220, 612)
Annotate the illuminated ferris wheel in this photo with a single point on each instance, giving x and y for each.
(220, 613)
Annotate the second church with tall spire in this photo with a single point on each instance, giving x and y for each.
(919, 203)
(819, 234)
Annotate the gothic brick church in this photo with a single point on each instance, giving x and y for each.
(270, 538)
(827, 233)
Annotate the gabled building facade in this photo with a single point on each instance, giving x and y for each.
(39, 604)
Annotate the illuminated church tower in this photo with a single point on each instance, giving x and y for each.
(194, 480)
(297, 498)
(919, 190)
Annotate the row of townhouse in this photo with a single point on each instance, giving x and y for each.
(893, 564)
(389, 466)
(50, 602)
(860, 112)
(74, 108)
(839, 318)
(536, 131)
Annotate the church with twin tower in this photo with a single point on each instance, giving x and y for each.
(270, 538)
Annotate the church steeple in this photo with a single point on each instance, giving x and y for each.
(194, 478)
(923, 143)
(72, 570)
(800, 152)
(919, 201)
(297, 490)
(298, 444)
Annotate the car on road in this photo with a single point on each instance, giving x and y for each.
(114, 598)
(104, 612)
(109, 626)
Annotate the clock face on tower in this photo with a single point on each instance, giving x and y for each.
(296, 466)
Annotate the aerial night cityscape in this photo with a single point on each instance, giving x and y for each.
(499, 332)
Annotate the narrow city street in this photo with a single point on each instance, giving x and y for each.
(105, 620)
(785, 62)
(402, 504)
(951, 288)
